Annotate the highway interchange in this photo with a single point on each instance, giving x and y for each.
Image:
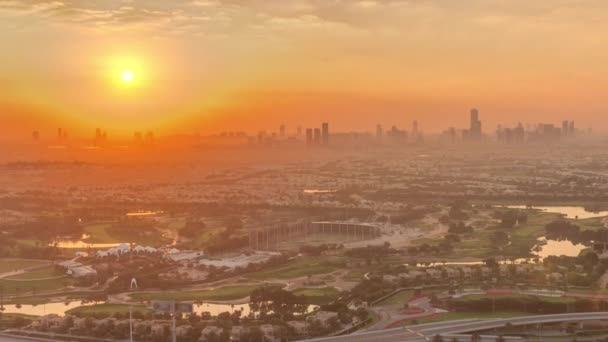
(424, 332)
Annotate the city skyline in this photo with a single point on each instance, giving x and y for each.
(186, 66)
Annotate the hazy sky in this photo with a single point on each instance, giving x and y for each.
(208, 65)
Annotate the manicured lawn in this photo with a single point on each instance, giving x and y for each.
(106, 309)
(47, 272)
(523, 237)
(547, 299)
(594, 223)
(30, 282)
(319, 295)
(7, 319)
(98, 233)
(219, 294)
(400, 298)
(355, 275)
(300, 267)
(449, 316)
(9, 265)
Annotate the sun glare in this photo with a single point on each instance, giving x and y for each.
(127, 76)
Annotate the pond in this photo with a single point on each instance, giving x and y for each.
(144, 213)
(319, 191)
(568, 212)
(558, 248)
(82, 243)
(45, 309)
(545, 248)
(60, 308)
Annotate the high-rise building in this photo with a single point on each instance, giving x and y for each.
(325, 133)
(299, 130)
(36, 135)
(282, 131)
(59, 134)
(415, 127)
(571, 128)
(317, 136)
(379, 132)
(475, 126)
(565, 128)
(138, 137)
(309, 136)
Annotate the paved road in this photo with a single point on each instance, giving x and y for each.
(427, 331)
(6, 338)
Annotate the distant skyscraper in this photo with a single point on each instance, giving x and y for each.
(565, 128)
(317, 136)
(309, 136)
(571, 128)
(415, 127)
(150, 137)
(379, 132)
(282, 131)
(59, 134)
(325, 133)
(299, 130)
(475, 127)
(138, 137)
(36, 135)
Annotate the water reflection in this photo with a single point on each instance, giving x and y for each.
(144, 213)
(61, 308)
(45, 309)
(558, 248)
(82, 243)
(543, 249)
(568, 212)
(319, 191)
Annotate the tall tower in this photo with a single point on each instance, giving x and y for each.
(475, 126)
(571, 128)
(282, 131)
(325, 134)
(379, 132)
(317, 136)
(309, 137)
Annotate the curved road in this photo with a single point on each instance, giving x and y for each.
(424, 332)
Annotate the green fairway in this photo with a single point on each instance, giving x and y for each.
(110, 233)
(98, 234)
(301, 267)
(400, 298)
(46, 279)
(43, 273)
(450, 316)
(219, 294)
(318, 295)
(9, 265)
(106, 309)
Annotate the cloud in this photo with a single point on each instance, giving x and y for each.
(405, 17)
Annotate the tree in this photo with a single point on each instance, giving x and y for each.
(437, 338)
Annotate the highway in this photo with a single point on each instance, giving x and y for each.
(424, 332)
(9, 338)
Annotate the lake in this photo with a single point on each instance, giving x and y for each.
(568, 212)
(82, 243)
(61, 308)
(558, 248)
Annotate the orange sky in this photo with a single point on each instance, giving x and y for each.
(209, 65)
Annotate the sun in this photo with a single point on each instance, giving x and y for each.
(127, 76)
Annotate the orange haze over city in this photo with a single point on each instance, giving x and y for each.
(204, 66)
